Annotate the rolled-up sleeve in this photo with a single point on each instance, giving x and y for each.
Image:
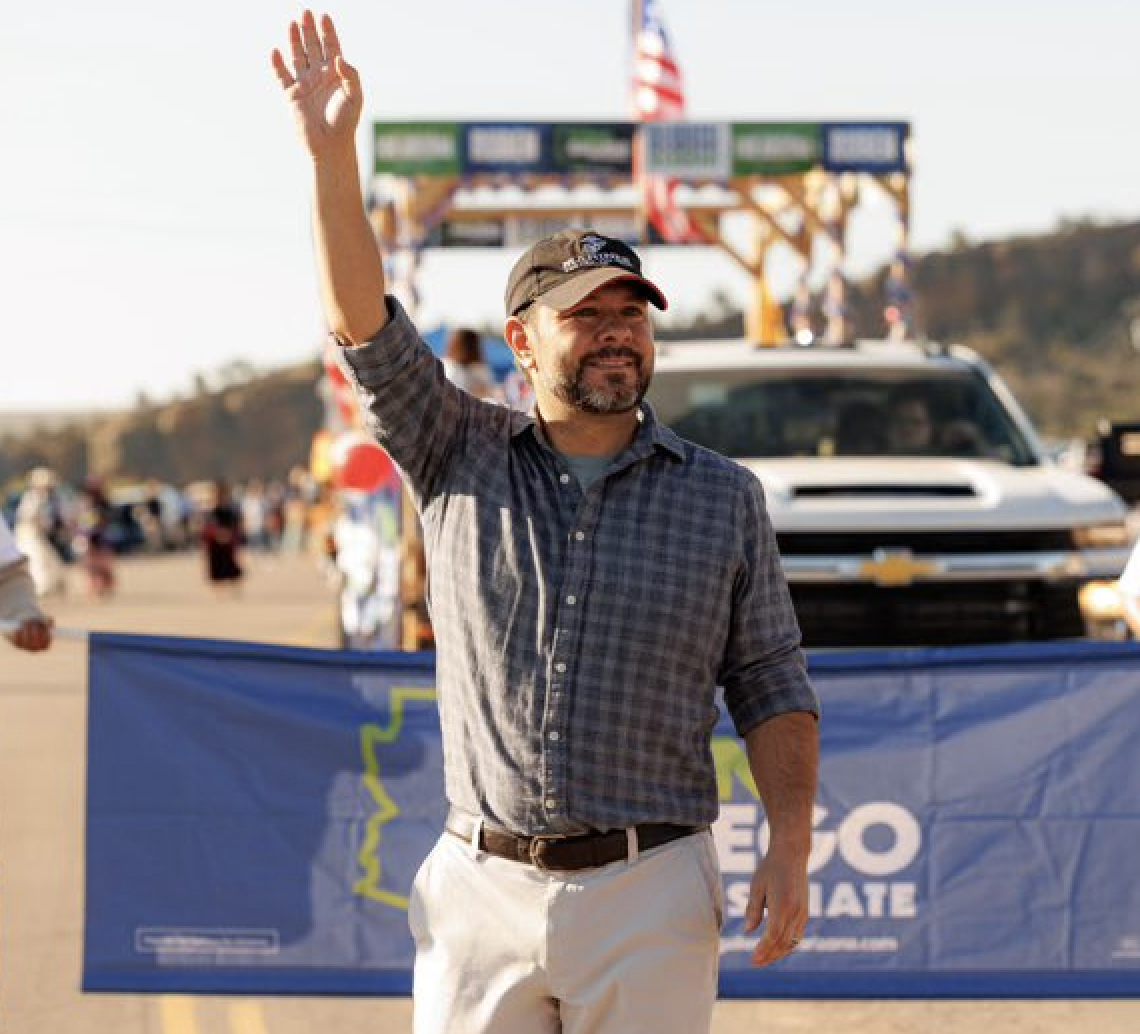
(764, 672)
(410, 406)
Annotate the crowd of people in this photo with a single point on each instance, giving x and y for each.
(69, 537)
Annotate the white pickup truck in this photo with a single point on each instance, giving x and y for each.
(912, 500)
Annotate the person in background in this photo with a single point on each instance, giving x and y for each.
(33, 631)
(254, 515)
(594, 579)
(161, 522)
(274, 514)
(465, 365)
(42, 532)
(295, 504)
(222, 538)
(321, 517)
(910, 427)
(517, 391)
(92, 543)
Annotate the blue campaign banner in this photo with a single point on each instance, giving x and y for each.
(256, 816)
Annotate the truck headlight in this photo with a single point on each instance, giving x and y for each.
(1100, 601)
(1102, 536)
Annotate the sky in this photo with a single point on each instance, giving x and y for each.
(154, 198)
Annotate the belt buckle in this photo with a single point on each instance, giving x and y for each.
(536, 843)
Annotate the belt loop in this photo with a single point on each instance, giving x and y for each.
(631, 844)
(476, 838)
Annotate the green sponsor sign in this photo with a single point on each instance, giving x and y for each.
(602, 149)
(416, 148)
(775, 148)
(480, 233)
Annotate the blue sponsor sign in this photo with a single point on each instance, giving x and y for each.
(507, 147)
(256, 816)
(871, 147)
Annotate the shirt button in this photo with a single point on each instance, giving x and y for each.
(554, 736)
(560, 666)
(571, 600)
(564, 478)
(579, 535)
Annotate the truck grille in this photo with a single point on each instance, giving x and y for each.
(888, 489)
(936, 615)
(922, 543)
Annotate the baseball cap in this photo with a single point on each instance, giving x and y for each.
(563, 269)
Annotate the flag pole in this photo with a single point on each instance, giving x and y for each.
(634, 29)
(641, 209)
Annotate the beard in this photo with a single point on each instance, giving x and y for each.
(593, 391)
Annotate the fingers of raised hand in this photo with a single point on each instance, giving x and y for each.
(330, 39)
(298, 50)
(306, 47)
(284, 76)
(311, 39)
(311, 49)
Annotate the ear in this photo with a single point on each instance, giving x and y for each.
(517, 337)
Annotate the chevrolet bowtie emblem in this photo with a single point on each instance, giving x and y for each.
(894, 567)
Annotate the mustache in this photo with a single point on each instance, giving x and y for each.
(614, 352)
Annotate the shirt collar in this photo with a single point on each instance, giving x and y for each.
(650, 435)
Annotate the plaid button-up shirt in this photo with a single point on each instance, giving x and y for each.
(581, 635)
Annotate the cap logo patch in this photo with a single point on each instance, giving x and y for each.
(592, 246)
(594, 253)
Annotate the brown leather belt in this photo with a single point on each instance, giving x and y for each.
(567, 853)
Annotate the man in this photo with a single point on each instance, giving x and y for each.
(910, 429)
(593, 578)
(18, 598)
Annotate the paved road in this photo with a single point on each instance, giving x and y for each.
(42, 714)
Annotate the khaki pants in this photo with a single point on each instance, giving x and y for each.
(629, 948)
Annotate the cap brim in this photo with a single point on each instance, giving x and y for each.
(569, 294)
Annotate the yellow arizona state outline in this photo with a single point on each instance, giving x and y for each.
(371, 738)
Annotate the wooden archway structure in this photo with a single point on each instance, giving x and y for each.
(750, 188)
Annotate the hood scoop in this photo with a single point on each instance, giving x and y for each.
(893, 489)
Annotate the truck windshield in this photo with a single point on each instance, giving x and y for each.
(745, 413)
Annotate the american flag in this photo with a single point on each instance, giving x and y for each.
(659, 96)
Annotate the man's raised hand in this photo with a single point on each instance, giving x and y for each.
(322, 87)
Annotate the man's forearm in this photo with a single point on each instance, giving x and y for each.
(783, 755)
(349, 264)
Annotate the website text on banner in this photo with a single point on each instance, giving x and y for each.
(256, 816)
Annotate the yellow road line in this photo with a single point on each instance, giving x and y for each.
(178, 1015)
(247, 1018)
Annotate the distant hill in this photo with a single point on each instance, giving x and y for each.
(1058, 315)
(258, 429)
(18, 425)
